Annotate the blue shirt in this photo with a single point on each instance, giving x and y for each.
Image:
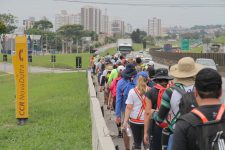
(122, 90)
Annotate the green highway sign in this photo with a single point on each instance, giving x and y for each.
(185, 45)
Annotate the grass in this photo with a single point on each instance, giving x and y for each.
(220, 39)
(111, 51)
(198, 49)
(62, 60)
(58, 109)
(137, 46)
(2, 73)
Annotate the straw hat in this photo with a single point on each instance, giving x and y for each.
(109, 67)
(185, 68)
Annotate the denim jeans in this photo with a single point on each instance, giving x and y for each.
(170, 143)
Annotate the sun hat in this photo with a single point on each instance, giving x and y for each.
(185, 68)
(208, 80)
(162, 73)
(120, 68)
(129, 71)
(109, 67)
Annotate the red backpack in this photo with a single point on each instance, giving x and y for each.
(161, 89)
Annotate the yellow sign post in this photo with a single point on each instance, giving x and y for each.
(20, 63)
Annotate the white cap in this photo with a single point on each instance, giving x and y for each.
(120, 68)
(151, 63)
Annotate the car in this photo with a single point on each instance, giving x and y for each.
(207, 63)
(147, 61)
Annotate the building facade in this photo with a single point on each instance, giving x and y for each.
(117, 27)
(66, 19)
(128, 28)
(28, 23)
(154, 27)
(91, 18)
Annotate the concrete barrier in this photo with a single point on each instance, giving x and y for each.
(101, 139)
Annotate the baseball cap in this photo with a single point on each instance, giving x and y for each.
(208, 80)
(120, 68)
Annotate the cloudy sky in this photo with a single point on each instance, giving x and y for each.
(135, 15)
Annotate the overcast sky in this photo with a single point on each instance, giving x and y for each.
(135, 15)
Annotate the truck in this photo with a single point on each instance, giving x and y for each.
(124, 46)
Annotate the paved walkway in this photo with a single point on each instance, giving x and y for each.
(8, 68)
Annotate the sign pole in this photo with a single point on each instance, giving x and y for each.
(20, 63)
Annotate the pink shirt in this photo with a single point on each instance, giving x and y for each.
(113, 86)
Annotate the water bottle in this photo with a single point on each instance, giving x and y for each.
(128, 131)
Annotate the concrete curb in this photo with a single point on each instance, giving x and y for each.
(101, 139)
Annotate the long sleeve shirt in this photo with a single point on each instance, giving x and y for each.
(122, 90)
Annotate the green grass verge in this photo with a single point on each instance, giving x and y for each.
(111, 51)
(198, 49)
(2, 73)
(220, 39)
(137, 46)
(62, 60)
(59, 113)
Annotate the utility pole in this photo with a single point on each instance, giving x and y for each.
(77, 44)
(46, 43)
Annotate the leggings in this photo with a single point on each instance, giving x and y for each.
(138, 134)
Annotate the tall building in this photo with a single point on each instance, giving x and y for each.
(154, 27)
(128, 28)
(28, 23)
(91, 18)
(105, 23)
(66, 19)
(117, 27)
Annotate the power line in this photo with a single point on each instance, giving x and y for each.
(145, 4)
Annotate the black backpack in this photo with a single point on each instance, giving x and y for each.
(209, 135)
(187, 101)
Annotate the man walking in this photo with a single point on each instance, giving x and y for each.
(184, 78)
(204, 127)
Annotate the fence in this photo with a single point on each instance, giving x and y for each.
(101, 139)
(219, 58)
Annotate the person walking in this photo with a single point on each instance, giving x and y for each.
(184, 78)
(152, 131)
(123, 87)
(135, 109)
(204, 127)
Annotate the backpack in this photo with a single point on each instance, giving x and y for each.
(210, 135)
(161, 89)
(187, 103)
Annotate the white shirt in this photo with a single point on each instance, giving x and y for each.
(137, 104)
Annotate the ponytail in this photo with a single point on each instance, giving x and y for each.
(141, 86)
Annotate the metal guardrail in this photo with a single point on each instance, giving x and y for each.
(219, 58)
(101, 139)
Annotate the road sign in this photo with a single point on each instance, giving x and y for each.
(185, 45)
(4, 58)
(29, 58)
(53, 58)
(20, 63)
(78, 62)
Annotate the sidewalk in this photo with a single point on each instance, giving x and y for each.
(109, 119)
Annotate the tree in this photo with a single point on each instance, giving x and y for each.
(2, 28)
(8, 20)
(138, 36)
(70, 33)
(43, 25)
